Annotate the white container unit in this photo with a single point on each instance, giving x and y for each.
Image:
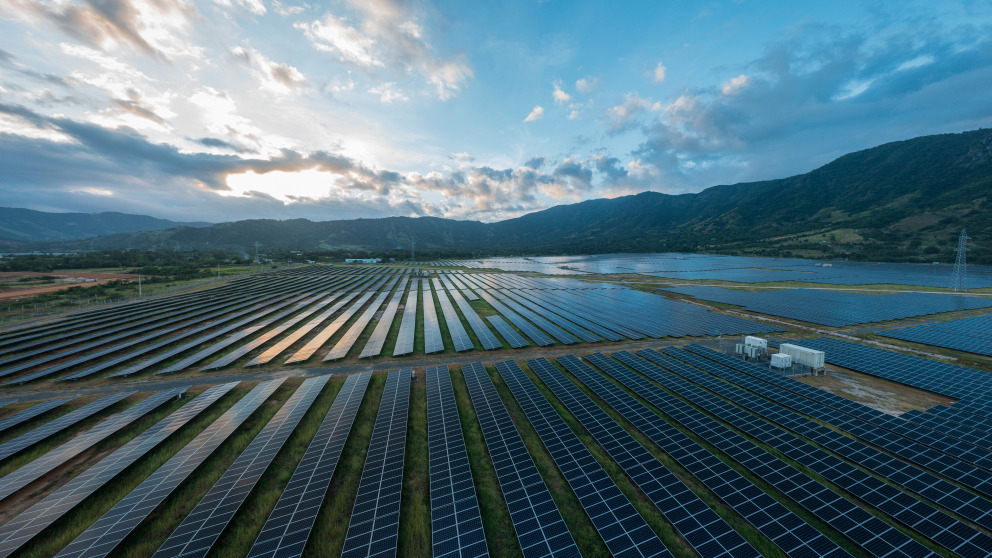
(781, 360)
(752, 341)
(804, 356)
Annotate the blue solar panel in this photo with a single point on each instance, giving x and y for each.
(972, 335)
(456, 522)
(623, 529)
(373, 530)
(288, 526)
(538, 524)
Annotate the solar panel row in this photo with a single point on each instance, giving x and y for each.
(482, 333)
(538, 523)
(31, 412)
(103, 536)
(288, 526)
(973, 335)
(43, 465)
(925, 519)
(508, 333)
(701, 527)
(456, 522)
(373, 529)
(624, 531)
(433, 342)
(784, 528)
(378, 338)
(456, 331)
(31, 438)
(204, 524)
(23, 528)
(408, 325)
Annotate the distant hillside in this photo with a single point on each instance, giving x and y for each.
(26, 225)
(904, 201)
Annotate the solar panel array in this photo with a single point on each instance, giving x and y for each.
(939, 377)
(456, 331)
(701, 527)
(508, 333)
(836, 308)
(972, 335)
(288, 526)
(39, 467)
(456, 522)
(375, 519)
(433, 342)
(482, 333)
(751, 415)
(783, 527)
(31, 412)
(408, 325)
(624, 531)
(51, 428)
(204, 524)
(106, 533)
(378, 338)
(23, 528)
(538, 524)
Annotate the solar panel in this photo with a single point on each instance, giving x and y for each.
(973, 335)
(288, 526)
(34, 470)
(203, 526)
(31, 412)
(623, 530)
(561, 335)
(938, 526)
(537, 522)
(433, 342)
(283, 344)
(20, 530)
(31, 438)
(482, 333)
(508, 333)
(318, 340)
(106, 533)
(552, 317)
(886, 497)
(700, 526)
(375, 519)
(378, 338)
(456, 331)
(778, 523)
(408, 325)
(539, 298)
(537, 336)
(456, 522)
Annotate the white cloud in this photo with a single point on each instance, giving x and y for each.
(561, 98)
(535, 114)
(388, 92)
(254, 6)
(333, 34)
(658, 75)
(736, 85)
(273, 76)
(586, 84)
(626, 115)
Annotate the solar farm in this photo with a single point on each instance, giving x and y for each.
(520, 407)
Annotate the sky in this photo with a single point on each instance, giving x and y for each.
(219, 110)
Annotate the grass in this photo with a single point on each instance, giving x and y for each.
(500, 535)
(583, 532)
(415, 504)
(73, 523)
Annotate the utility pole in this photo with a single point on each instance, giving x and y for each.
(139, 285)
(256, 252)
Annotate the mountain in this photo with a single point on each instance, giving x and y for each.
(902, 201)
(27, 225)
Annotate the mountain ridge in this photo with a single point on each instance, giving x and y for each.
(900, 201)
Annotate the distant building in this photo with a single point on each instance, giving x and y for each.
(363, 260)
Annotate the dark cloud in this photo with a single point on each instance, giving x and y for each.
(221, 144)
(535, 163)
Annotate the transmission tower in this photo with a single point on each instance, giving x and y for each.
(959, 277)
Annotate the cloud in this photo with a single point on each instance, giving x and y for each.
(735, 85)
(627, 115)
(385, 35)
(587, 84)
(561, 98)
(535, 114)
(810, 98)
(658, 75)
(388, 92)
(156, 28)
